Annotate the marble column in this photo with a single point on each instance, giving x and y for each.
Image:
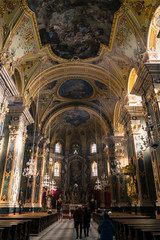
(3, 111)
(148, 88)
(14, 160)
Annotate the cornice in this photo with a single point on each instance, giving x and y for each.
(7, 82)
(143, 81)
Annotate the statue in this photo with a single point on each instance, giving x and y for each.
(75, 194)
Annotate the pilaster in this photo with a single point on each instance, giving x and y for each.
(147, 86)
(14, 160)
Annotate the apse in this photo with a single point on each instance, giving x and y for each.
(76, 89)
(73, 27)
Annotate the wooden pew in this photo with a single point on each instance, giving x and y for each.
(39, 221)
(14, 229)
(156, 235)
(136, 228)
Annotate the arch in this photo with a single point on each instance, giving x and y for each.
(47, 122)
(132, 79)
(118, 128)
(18, 80)
(153, 41)
(67, 71)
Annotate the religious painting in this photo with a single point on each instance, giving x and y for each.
(76, 172)
(75, 28)
(75, 117)
(76, 89)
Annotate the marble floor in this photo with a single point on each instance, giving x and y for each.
(64, 230)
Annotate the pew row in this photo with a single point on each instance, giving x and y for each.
(25, 225)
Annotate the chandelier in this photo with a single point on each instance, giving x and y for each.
(31, 169)
(49, 184)
(46, 181)
(101, 183)
(53, 186)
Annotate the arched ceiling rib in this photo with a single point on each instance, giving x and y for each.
(106, 124)
(76, 70)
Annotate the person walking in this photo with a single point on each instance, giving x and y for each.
(106, 228)
(61, 214)
(78, 219)
(87, 218)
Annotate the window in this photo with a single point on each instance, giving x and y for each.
(94, 169)
(58, 147)
(93, 147)
(57, 169)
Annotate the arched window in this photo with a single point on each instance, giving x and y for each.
(57, 169)
(93, 147)
(58, 148)
(94, 169)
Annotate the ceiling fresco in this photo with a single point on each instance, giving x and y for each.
(73, 27)
(76, 89)
(76, 117)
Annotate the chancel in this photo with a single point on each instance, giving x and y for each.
(79, 116)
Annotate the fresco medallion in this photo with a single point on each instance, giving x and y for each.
(75, 89)
(76, 117)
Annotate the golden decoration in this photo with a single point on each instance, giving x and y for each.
(140, 8)
(4, 197)
(14, 129)
(28, 37)
(7, 60)
(7, 174)
(2, 10)
(131, 187)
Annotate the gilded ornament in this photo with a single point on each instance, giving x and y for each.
(138, 6)
(28, 37)
(15, 129)
(7, 174)
(8, 6)
(6, 59)
(2, 10)
(24, 4)
(4, 197)
(149, 10)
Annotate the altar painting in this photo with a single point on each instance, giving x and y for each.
(76, 172)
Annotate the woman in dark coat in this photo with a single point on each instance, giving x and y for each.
(87, 218)
(106, 228)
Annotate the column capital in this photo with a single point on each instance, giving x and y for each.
(15, 129)
(20, 114)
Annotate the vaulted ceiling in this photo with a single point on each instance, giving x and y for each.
(73, 58)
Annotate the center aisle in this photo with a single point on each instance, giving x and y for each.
(64, 229)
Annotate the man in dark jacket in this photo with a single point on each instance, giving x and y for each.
(78, 219)
(87, 218)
